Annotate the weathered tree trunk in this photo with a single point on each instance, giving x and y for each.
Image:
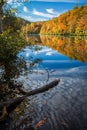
(8, 107)
(2, 2)
(1, 26)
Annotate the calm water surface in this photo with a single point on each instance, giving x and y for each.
(63, 107)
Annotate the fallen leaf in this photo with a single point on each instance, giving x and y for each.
(17, 109)
(40, 123)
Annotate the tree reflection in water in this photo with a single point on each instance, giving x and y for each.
(73, 47)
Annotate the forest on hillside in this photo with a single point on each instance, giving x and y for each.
(73, 22)
(11, 22)
(32, 28)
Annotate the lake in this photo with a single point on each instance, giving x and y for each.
(49, 57)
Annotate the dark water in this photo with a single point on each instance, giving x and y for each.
(63, 107)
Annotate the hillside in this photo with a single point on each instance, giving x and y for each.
(73, 22)
(32, 28)
(13, 22)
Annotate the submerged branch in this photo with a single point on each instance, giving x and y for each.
(41, 89)
(12, 104)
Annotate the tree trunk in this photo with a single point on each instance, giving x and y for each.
(2, 2)
(1, 26)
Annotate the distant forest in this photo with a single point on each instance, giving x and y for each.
(73, 22)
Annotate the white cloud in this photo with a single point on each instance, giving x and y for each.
(26, 17)
(32, 19)
(45, 50)
(51, 11)
(27, 54)
(14, 3)
(40, 16)
(49, 53)
(35, 12)
(25, 9)
(9, 1)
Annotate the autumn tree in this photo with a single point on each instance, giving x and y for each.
(4, 11)
(73, 22)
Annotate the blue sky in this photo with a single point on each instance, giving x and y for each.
(40, 10)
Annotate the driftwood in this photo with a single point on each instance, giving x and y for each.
(7, 107)
(41, 89)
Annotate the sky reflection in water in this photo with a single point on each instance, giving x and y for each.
(51, 59)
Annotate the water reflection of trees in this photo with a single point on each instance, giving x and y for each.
(33, 39)
(73, 47)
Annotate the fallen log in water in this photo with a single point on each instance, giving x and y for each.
(41, 89)
(8, 107)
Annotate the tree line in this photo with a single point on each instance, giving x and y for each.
(72, 22)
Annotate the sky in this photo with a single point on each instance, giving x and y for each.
(41, 10)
